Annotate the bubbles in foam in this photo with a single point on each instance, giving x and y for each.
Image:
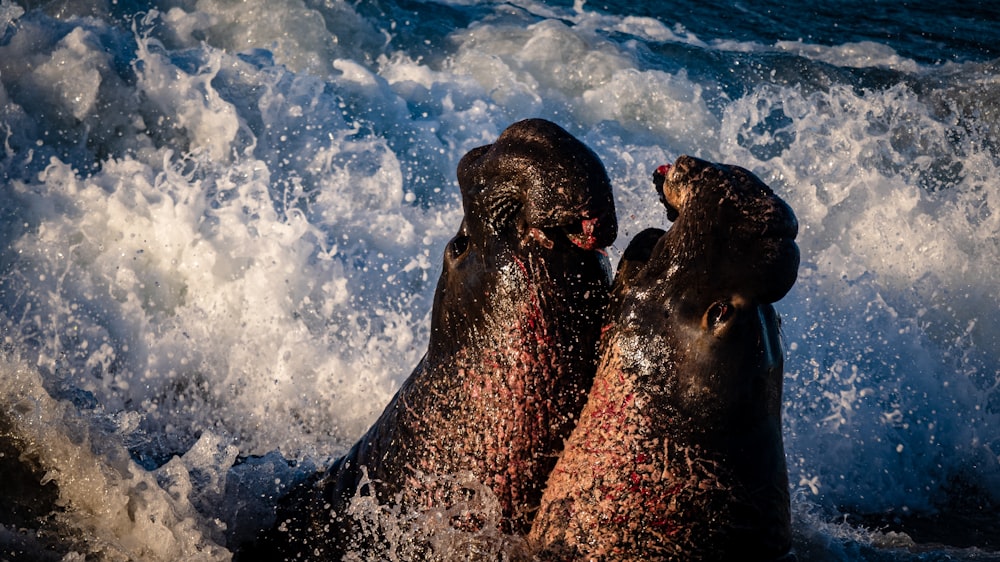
(297, 34)
(108, 507)
(863, 54)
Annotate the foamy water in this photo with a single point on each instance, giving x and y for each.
(221, 227)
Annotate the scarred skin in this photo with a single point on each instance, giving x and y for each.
(678, 453)
(512, 352)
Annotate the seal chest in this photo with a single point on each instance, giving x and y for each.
(678, 453)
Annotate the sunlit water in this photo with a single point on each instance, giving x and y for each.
(221, 226)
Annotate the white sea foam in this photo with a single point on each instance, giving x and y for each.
(221, 232)
(112, 508)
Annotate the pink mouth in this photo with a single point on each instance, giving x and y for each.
(585, 239)
(659, 182)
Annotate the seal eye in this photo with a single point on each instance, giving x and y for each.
(718, 313)
(458, 246)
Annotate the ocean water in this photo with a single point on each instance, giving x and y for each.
(221, 226)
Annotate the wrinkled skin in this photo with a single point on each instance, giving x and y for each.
(512, 352)
(678, 453)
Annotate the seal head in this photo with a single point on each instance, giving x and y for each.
(540, 179)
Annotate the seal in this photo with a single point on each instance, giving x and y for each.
(512, 352)
(678, 453)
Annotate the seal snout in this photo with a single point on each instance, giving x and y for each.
(669, 195)
(660, 176)
(761, 210)
(780, 221)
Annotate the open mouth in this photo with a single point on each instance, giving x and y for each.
(669, 197)
(583, 234)
(587, 234)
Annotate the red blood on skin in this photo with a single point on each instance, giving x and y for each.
(586, 239)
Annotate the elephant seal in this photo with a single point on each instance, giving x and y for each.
(678, 453)
(515, 323)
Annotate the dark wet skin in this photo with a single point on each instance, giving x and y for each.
(678, 454)
(512, 352)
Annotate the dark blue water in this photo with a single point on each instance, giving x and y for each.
(927, 32)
